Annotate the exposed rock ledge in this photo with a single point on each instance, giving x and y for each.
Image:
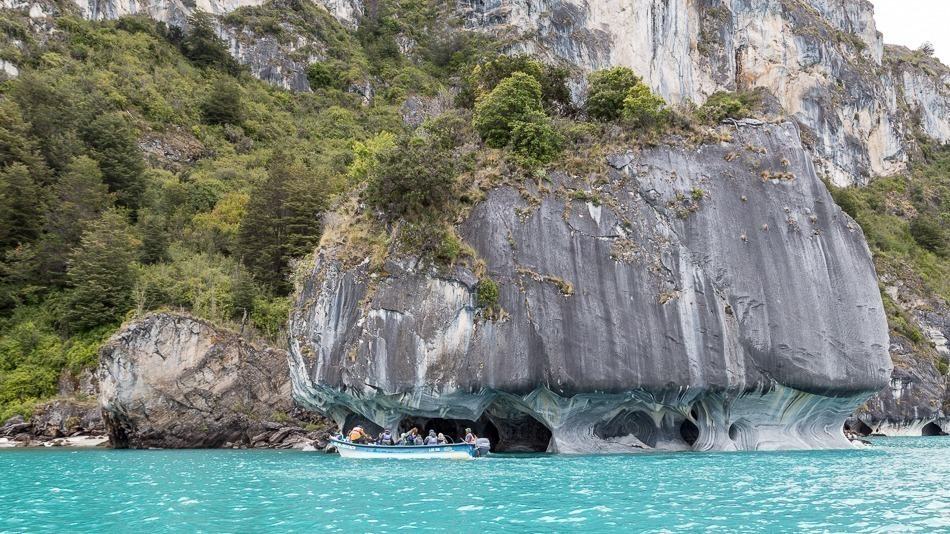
(174, 381)
(715, 299)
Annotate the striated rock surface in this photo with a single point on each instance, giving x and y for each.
(709, 297)
(174, 381)
(822, 59)
(857, 102)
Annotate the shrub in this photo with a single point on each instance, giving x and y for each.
(535, 142)
(486, 294)
(321, 75)
(270, 315)
(223, 105)
(416, 178)
(448, 130)
(486, 76)
(449, 249)
(643, 108)
(928, 234)
(607, 91)
(726, 105)
(516, 99)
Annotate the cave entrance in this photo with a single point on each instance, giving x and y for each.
(355, 419)
(932, 429)
(689, 432)
(860, 428)
(453, 429)
(513, 432)
(629, 423)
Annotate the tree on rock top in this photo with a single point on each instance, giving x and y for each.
(515, 99)
(607, 91)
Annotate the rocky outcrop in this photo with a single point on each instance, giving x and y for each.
(822, 59)
(171, 380)
(709, 297)
(857, 102)
(65, 421)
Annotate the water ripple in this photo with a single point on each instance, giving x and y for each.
(900, 485)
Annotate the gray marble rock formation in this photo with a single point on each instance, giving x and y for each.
(707, 297)
(174, 381)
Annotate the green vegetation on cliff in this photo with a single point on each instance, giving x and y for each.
(906, 220)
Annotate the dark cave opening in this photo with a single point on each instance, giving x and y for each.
(354, 419)
(859, 427)
(689, 432)
(733, 432)
(629, 423)
(515, 432)
(932, 429)
(453, 429)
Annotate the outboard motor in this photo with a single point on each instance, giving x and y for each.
(482, 446)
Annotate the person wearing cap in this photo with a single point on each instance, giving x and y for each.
(442, 440)
(470, 437)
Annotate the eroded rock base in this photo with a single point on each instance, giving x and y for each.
(776, 418)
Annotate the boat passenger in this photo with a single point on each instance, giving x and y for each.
(408, 438)
(358, 435)
(470, 438)
(386, 438)
(442, 440)
(432, 439)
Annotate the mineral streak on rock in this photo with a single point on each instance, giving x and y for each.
(685, 325)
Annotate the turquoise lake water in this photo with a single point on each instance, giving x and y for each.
(899, 485)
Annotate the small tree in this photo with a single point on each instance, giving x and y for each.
(282, 220)
(535, 142)
(21, 206)
(516, 99)
(607, 91)
(101, 273)
(202, 45)
(223, 105)
(643, 108)
(416, 178)
(78, 198)
(114, 146)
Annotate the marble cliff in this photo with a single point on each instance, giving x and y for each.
(713, 298)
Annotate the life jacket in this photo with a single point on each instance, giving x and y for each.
(355, 434)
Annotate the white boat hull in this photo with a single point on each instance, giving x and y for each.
(415, 452)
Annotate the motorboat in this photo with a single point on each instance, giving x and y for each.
(451, 451)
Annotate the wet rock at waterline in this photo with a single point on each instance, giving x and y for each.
(174, 381)
(707, 298)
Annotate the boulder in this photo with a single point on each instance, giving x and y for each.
(175, 381)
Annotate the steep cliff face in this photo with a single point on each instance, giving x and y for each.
(174, 381)
(711, 297)
(822, 59)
